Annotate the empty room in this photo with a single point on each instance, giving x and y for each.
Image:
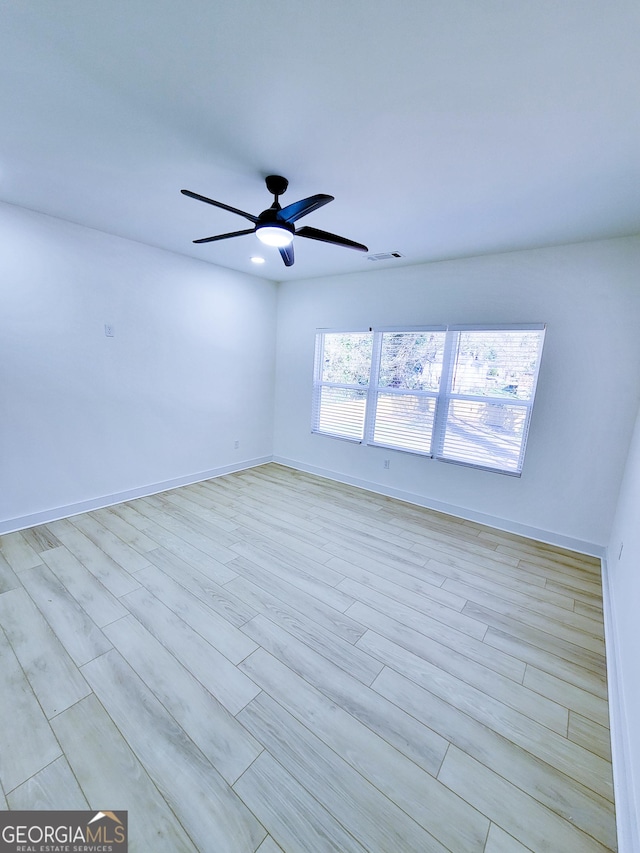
(320, 428)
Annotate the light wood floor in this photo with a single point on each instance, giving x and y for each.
(272, 661)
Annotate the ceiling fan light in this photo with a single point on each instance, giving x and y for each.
(274, 235)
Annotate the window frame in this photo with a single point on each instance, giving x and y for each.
(444, 396)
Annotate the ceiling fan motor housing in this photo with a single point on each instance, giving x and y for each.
(276, 184)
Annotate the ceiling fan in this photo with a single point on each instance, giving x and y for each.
(274, 226)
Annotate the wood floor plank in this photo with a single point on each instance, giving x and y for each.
(41, 538)
(410, 737)
(527, 820)
(8, 578)
(419, 609)
(290, 813)
(77, 632)
(212, 814)
(541, 780)
(420, 795)
(528, 610)
(269, 846)
(319, 611)
(205, 562)
(272, 503)
(18, 552)
(108, 772)
(52, 788)
(53, 676)
(302, 539)
(594, 611)
(211, 593)
(488, 697)
(591, 594)
(172, 533)
(573, 760)
(121, 552)
(500, 841)
(572, 697)
(506, 586)
(307, 575)
(372, 818)
(541, 550)
(211, 538)
(590, 654)
(537, 548)
(456, 654)
(441, 533)
(216, 630)
(212, 669)
(110, 574)
(340, 652)
(590, 735)
(424, 517)
(128, 512)
(344, 532)
(554, 559)
(212, 494)
(435, 547)
(191, 502)
(362, 548)
(437, 557)
(27, 744)
(363, 567)
(571, 581)
(463, 642)
(227, 745)
(123, 529)
(565, 630)
(547, 661)
(394, 567)
(91, 595)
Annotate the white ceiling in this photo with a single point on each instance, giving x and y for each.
(444, 128)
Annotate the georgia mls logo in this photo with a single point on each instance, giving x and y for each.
(63, 832)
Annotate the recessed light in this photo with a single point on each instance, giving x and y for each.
(257, 260)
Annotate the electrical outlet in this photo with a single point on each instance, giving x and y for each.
(109, 330)
(236, 444)
(387, 463)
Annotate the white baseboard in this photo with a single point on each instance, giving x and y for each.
(627, 799)
(547, 536)
(20, 523)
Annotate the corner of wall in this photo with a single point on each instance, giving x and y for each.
(627, 797)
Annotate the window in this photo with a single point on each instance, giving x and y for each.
(343, 365)
(459, 393)
(407, 383)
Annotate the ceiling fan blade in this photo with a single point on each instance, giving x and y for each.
(198, 197)
(298, 209)
(326, 237)
(286, 252)
(224, 236)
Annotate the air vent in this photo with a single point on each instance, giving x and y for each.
(384, 256)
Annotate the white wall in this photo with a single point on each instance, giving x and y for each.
(622, 595)
(189, 371)
(588, 389)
